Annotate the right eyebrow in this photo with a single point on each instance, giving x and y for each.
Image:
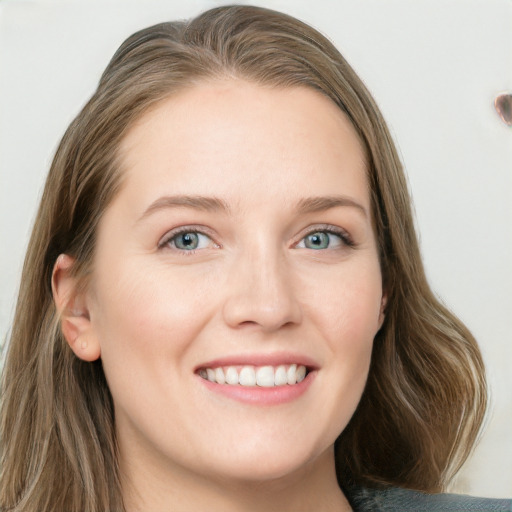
(208, 204)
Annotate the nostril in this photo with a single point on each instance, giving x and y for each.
(248, 310)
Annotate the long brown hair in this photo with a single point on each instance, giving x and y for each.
(425, 397)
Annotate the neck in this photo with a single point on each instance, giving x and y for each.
(312, 487)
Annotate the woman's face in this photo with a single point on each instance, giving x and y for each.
(239, 249)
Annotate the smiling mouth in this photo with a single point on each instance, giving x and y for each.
(250, 376)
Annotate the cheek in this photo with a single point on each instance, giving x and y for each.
(347, 304)
(143, 312)
(146, 320)
(348, 317)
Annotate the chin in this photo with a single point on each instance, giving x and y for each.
(258, 466)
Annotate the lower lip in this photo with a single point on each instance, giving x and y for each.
(257, 395)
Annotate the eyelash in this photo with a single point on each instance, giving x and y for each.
(164, 243)
(346, 239)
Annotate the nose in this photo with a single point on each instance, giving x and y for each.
(261, 293)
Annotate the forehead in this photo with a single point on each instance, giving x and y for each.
(232, 135)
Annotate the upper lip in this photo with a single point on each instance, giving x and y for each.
(261, 359)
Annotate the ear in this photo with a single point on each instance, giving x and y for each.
(382, 312)
(70, 301)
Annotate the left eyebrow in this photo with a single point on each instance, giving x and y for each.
(322, 203)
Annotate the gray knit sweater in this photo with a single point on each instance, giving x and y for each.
(403, 500)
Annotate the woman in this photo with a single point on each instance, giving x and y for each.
(223, 304)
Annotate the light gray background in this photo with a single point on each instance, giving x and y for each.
(434, 67)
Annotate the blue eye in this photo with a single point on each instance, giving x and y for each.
(321, 240)
(189, 241)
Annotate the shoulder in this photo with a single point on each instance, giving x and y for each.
(395, 499)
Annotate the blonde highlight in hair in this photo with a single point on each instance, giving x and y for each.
(426, 395)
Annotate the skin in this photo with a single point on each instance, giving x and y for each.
(253, 287)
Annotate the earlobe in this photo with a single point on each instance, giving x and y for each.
(71, 305)
(382, 312)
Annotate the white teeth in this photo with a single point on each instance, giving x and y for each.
(231, 376)
(280, 377)
(248, 376)
(219, 376)
(292, 374)
(264, 376)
